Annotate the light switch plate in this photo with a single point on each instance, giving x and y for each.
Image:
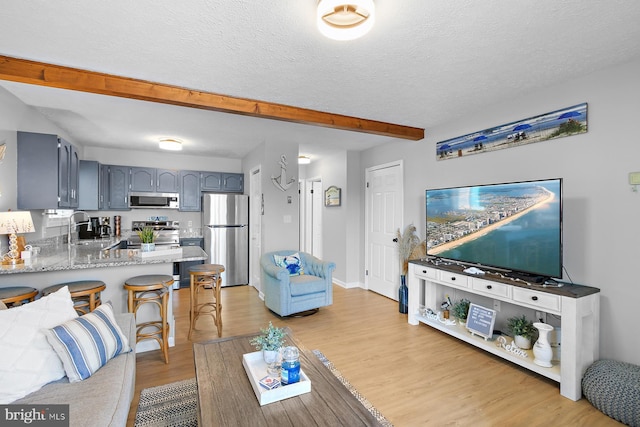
(634, 178)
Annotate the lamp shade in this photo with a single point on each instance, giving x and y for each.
(14, 222)
(342, 20)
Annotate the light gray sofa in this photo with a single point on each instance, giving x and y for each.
(104, 398)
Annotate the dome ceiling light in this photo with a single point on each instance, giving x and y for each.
(171, 144)
(345, 21)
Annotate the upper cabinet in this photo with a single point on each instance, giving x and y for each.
(210, 181)
(232, 182)
(190, 191)
(222, 182)
(154, 180)
(48, 172)
(118, 188)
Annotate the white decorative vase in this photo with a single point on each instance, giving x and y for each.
(522, 342)
(271, 358)
(148, 247)
(542, 349)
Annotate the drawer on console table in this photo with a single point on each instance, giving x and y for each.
(426, 273)
(491, 288)
(459, 280)
(538, 299)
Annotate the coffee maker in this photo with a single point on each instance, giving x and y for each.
(100, 227)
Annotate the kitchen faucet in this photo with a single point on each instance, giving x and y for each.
(78, 223)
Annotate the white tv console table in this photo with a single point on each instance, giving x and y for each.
(578, 306)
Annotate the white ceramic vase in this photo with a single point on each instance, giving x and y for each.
(542, 349)
(522, 342)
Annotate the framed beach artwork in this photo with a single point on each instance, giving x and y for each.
(556, 124)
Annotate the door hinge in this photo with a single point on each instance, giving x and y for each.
(366, 272)
(367, 184)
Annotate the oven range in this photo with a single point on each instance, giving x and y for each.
(168, 233)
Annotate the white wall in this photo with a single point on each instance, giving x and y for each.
(280, 221)
(600, 211)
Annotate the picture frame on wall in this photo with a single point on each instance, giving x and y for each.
(332, 196)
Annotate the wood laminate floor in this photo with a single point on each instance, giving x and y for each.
(414, 375)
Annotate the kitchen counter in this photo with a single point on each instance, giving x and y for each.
(61, 263)
(95, 255)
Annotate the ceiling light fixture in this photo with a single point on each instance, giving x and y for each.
(303, 160)
(340, 20)
(171, 144)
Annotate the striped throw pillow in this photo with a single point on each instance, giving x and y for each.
(87, 343)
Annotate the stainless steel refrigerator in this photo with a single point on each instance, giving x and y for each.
(225, 225)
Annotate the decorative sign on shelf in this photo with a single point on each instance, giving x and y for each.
(480, 321)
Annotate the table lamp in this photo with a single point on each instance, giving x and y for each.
(11, 223)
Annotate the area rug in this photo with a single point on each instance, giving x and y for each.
(175, 404)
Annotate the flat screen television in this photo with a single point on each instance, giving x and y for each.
(515, 226)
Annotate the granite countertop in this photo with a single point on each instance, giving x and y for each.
(97, 255)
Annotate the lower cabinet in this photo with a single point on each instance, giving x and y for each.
(183, 267)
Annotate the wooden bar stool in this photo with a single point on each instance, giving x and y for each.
(153, 289)
(84, 293)
(206, 277)
(14, 296)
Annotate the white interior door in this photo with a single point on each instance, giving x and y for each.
(255, 228)
(311, 205)
(316, 219)
(384, 207)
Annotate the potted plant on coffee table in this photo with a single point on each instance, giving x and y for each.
(460, 310)
(522, 330)
(270, 341)
(147, 238)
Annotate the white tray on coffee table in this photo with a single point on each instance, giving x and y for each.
(256, 369)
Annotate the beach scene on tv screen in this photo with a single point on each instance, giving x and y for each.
(515, 226)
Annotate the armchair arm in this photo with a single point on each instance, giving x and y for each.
(317, 267)
(278, 273)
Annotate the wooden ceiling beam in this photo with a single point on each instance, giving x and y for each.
(43, 74)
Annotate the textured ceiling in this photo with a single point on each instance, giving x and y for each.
(424, 63)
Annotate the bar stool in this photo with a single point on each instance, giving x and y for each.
(206, 277)
(154, 289)
(84, 293)
(14, 296)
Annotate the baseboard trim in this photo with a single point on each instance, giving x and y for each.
(351, 285)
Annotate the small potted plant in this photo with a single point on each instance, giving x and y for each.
(522, 330)
(147, 237)
(270, 341)
(460, 310)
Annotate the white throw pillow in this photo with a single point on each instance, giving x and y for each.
(27, 361)
(87, 343)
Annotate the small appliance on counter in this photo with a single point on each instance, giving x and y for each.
(100, 227)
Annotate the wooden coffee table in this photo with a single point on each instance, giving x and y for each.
(225, 396)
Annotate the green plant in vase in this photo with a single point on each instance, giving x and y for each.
(147, 238)
(270, 341)
(460, 310)
(522, 330)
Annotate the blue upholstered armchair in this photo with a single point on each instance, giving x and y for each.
(285, 294)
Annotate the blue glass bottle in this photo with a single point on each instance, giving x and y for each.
(403, 295)
(290, 370)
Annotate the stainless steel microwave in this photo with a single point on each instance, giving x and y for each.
(153, 200)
